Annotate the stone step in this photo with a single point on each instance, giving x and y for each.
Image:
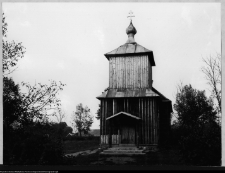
(123, 148)
(121, 154)
(123, 151)
(127, 145)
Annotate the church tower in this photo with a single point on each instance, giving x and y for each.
(132, 111)
(130, 65)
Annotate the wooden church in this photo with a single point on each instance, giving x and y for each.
(132, 111)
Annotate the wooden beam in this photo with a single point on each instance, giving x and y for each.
(103, 117)
(100, 117)
(142, 125)
(151, 125)
(154, 121)
(106, 115)
(145, 124)
(147, 120)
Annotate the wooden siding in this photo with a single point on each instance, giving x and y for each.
(130, 72)
(144, 108)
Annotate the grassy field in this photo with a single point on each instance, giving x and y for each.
(80, 145)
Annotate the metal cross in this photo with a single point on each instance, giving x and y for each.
(130, 15)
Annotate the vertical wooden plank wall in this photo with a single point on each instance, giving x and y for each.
(150, 74)
(147, 120)
(153, 122)
(148, 112)
(106, 112)
(142, 124)
(130, 72)
(102, 116)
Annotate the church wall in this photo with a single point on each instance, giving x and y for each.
(145, 108)
(130, 72)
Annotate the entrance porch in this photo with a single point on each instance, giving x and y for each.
(122, 130)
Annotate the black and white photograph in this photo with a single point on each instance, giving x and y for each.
(128, 84)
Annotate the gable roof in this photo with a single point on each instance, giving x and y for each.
(124, 113)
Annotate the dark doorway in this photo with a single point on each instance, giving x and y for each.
(127, 134)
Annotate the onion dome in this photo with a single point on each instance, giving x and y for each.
(131, 31)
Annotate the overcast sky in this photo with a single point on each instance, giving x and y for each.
(67, 42)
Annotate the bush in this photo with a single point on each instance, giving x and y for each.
(202, 147)
(35, 144)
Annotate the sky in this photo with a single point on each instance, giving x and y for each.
(67, 41)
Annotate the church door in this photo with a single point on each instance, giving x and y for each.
(128, 135)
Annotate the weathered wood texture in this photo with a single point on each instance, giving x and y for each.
(130, 72)
(104, 139)
(145, 108)
(115, 139)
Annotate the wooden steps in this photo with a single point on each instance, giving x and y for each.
(124, 150)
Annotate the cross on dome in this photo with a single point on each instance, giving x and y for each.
(131, 30)
(130, 15)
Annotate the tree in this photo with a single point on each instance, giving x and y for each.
(11, 101)
(99, 108)
(83, 119)
(60, 115)
(26, 141)
(213, 74)
(41, 100)
(11, 51)
(98, 112)
(193, 107)
(198, 133)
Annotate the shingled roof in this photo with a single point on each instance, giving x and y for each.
(131, 48)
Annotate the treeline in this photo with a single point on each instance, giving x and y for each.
(197, 129)
(28, 136)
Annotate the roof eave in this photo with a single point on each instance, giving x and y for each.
(150, 53)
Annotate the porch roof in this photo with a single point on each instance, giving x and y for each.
(125, 113)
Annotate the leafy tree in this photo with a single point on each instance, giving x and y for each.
(99, 108)
(196, 128)
(26, 138)
(98, 112)
(83, 119)
(213, 74)
(193, 107)
(11, 101)
(41, 100)
(11, 51)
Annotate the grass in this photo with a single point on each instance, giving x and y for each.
(80, 145)
(163, 157)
